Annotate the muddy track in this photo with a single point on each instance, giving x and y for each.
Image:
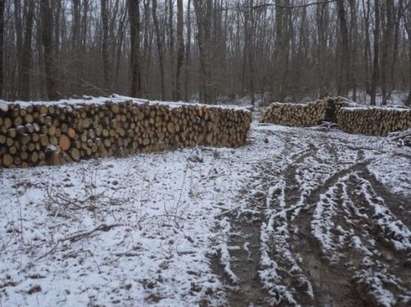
(244, 240)
(318, 231)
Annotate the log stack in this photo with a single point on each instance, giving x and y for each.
(348, 116)
(376, 121)
(304, 115)
(49, 134)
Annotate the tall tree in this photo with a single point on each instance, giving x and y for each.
(344, 50)
(407, 21)
(180, 48)
(105, 44)
(170, 45)
(18, 26)
(203, 9)
(387, 49)
(322, 23)
(27, 56)
(46, 13)
(2, 8)
(187, 52)
(375, 71)
(159, 48)
(134, 16)
(366, 8)
(283, 33)
(210, 48)
(353, 46)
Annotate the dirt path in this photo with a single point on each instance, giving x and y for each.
(318, 230)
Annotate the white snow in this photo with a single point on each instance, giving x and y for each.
(140, 230)
(162, 209)
(383, 108)
(80, 102)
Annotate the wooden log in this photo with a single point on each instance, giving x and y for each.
(8, 160)
(64, 142)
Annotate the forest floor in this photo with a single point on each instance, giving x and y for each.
(299, 216)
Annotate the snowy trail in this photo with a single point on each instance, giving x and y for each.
(331, 234)
(299, 216)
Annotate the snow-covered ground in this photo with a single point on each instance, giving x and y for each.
(158, 229)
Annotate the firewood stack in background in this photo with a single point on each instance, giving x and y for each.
(374, 120)
(40, 134)
(348, 116)
(303, 114)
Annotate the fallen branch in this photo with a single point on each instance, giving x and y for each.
(79, 236)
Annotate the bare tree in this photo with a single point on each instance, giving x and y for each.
(203, 9)
(187, 52)
(407, 21)
(134, 16)
(47, 40)
(375, 73)
(105, 44)
(387, 48)
(211, 49)
(344, 50)
(26, 53)
(180, 48)
(159, 48)
(18, 25)
(2, 8)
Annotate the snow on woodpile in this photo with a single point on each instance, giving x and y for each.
(374, 120)
(304, 114)
(38, 133)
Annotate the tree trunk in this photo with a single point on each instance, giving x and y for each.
(387, 49)
(375, 73)
(180, 48)
(26, 62)
(367, 49)
(159, 48)
(203, 12)
(407, 22)
(147, 46)
(47, 40)
(353, 49)
(322, 30)
(344, 51)
(2, 7)
(188, 52)
(134, 16)
(399, 13)
(105, 46)
(18, 24)
(171, 47)
(283, 37)
(119, 47)
(76, 45)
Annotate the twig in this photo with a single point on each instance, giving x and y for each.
(293, 6)
(79, 236)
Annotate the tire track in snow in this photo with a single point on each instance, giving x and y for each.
(248, 288)
(320, 231)
(383, 264)
(240, 251)
(297, 199)
(327, 287)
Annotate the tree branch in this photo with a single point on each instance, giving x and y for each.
(293, 6)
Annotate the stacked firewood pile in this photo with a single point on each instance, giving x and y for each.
(374, 120)
(348, 116)
(39, 134)
(303, 115)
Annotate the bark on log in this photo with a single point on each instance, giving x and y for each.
(54, 134)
